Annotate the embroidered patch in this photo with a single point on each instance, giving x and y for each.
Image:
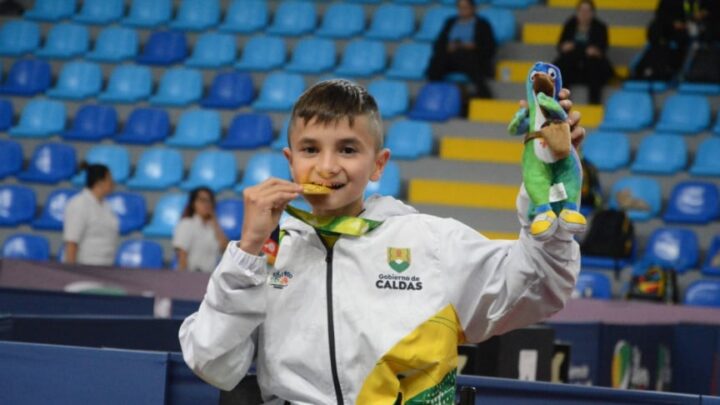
(398, 259)
(280, 279)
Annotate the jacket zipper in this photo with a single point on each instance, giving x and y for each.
(331, 323)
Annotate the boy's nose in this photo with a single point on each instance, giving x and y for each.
(328, 165)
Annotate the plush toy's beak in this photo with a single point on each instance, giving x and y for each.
(543, 84)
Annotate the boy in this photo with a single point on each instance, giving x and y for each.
(370, 305)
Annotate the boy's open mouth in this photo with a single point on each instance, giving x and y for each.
(333, 186)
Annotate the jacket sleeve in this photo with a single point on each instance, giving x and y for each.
(218, 342)
(568, 32)
(599, 35)
(485, 40)
(441, 42)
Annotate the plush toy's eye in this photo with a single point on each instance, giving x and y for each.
(552, 73)
(532, 76)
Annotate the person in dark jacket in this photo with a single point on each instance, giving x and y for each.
(583, 51)
(466, 45)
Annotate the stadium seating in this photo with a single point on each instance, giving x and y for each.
(164, 48)
(148, 13)
(652, 86)
(436, 102)
(53, 212)
(592, 284)
(114, 44)
(248, 131)
(362, 58)
(262, 166)
(145, 126)
(128, 84)
(116, 158)
(409, 139)
(230, 90)
(130, 209)
(245, 16)
(391, 22)
(65, 41)
(51, 10)
(6, 114)
(695, 202)
(100, 12)
(513, 3)
(27, 77)
(212, 50)
(279, 92)
(502, 22)
(166, 215)
(660, 154)
(27, 247)
(17, 205)
(78, 80)
(312, 56)
(11, 158)
(229, 214)
(214, 169)
(92, 123)
(178, 87)
(684, 114)
(627, 111)
(389, 184)
(706, 158)
(18, 37)
(262, 53)
(640, 197)
(607, 151)
(342, 21)
(157, 169)
(392, 97)
(138, 253)
(293, 18)
(410, 61)
(711, 265)
(281, 142)
(433, 22)
(703, 293)
(196, 129)
(40, 118)
(711, 89)
(50, 163)
(197, 15)
(675, 248)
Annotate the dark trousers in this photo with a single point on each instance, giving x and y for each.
(462, 61)
(578, 68)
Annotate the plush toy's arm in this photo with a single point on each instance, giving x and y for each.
(551, 107)
(520, 123)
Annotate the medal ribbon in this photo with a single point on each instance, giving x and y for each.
(343, 225)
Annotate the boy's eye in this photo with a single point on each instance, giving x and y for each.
(347, 150)
(309, 149)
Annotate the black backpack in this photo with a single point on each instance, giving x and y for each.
(611, 234)
(705, 66)
(591, 195)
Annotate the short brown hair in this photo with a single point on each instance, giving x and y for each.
(331, 101)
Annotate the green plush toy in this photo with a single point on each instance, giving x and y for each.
(552, 174)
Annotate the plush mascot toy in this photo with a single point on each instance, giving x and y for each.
(552, 175)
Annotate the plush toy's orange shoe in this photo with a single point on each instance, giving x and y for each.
(543, 225)
(572, 221)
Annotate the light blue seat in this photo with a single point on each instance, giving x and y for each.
(128, 84)
(166, 215)
(409, 139)
(27, 77)
(502, 22)
(262, 53)
(157, 169)
(412, 1)
(628, 111)
(229, 214)
(246, 16)
(389, 184)
(248, 131)
(196, 129)
(145, 126)
(293, 18)
(703, 293)
(115, 157)
(100, 12)
(593, 284)
(17, 205)
(433, 22)
(693, 202)
(366, 1)
(164, 48)
(342, 21)
(607, 151)
(410, 62)
(139, 254)
(513, 3)
(92, 123)
(212, 50)
(676, 248)
(684, 114)
(660, 154)
(362, 58)
(197, 15)
(7, 114)
(114, 44)
(40, 118)
(391, 22)
(392, 97)
(644, 193)
(178, 87)
(279, 92)
(230, 90)
(711, 265)
(282, 141)
(65, 41)
(78, 80)
(436, 102)
(18, 37)
(26, 247)
(312, 56)
(716, 127)
(148, 13)
(214, 169)
(261, 167)
(653, 86)
(53, 212)
(50, 163)
(130, 209)
(709, 89)
(706, 158)
(11, 158)
(51, 10)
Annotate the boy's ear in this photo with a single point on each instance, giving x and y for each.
(288, 155)
(381, 159)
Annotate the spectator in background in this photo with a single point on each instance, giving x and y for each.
(198, 239)
(583, 51)
(465, 45)
(90, 227)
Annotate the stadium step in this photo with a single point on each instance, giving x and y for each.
(481, 150)
(645, 5)
(462, 194)
(502, 111)
(515, 71)
(548, 34)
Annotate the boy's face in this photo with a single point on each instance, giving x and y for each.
(338, 156)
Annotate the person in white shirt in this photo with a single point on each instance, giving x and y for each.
(198, 239)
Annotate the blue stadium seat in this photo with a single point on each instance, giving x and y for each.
(628, 111)
(248, 131)
(660, 154)
(130, 209)
(229, 214)
(362, 58)
(392, 97)
(502, 22)
(262, 53)
(230, 90)
(65, 41)
(92, 123)
(115, 157)
(391, 22)
(709, 89)
(166, 215)
(366, 1)
(261, 167)
(279, 92)
(11, 158)
(17, 205)
(513, 3)
(342, 21)
(409, 139)
(53, 212)
(433, 22)
(51, 10)
(78, 80)
(148, 13)
(40, 118)
(711, 265)
(706, 158)
(417, 2)
(246, 16)
(157, 169)
(196, 15)
(684, 114)
(145, 126)
(410, 62)
(640, 197)
(676, 248)
(293, 18)
(26, 247)
(178, 87)
(592, 284)
(128, 84)
(50, 163)
(27, 77)
(312, 56)
(7, 114)
(164, 48)
(214, 169)
(196, 129)
(18, 37)
(389, 184)
(694, 202)
(281, 142)
(114, 44)
(653, 86)
(139, 254)
(607, 151)
(703, 293)
(436, 102)
(100, 12)
(212, 50)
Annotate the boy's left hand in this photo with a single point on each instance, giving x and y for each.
(577, 133)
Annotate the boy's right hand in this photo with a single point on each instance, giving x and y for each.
(263, 206)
